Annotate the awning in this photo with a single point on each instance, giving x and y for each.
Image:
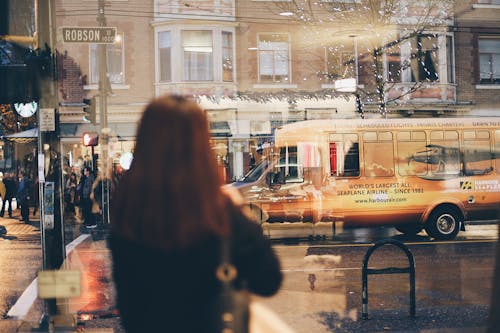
(121, 130)
(27, 136)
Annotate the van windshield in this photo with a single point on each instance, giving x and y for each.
(254, 174)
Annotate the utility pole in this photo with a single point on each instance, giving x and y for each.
(50, 184)
(103, 103)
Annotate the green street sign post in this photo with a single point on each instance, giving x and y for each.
(97, 35)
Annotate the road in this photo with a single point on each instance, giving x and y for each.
(322, 285)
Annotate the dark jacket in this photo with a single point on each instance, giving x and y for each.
(169, 292)
(10, 188)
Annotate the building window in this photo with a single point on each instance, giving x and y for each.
(197, 49)
(450, 59)
(274, 58)
(489, 60)
(164, 55)
(424, 58)
(340, 63)
(227, 56)
(394, 64)
(115, 61)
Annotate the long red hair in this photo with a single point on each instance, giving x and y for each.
(171, 196)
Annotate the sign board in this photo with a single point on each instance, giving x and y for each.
(98, 35)
(346, 85)
(59, 284)
(48, 206)
(47, 120)
(41, 168)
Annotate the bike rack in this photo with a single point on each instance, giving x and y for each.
(389, 270)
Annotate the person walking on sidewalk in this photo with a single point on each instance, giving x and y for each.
(86, 201)
(10, 191)
(169, 215)
(24, 192)
(2, 187)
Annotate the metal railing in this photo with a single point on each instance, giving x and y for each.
(388, 270)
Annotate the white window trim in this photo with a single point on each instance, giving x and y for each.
(485, 6)
(487, 86)
(113, 86)
(275, 85)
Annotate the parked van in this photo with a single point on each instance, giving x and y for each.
(410, 173)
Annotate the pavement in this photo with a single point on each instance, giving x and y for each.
(307, 310)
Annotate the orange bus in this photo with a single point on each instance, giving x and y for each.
(414, 174)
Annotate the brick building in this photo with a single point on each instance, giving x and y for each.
(255, 65)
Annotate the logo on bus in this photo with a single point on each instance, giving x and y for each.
(466, 185)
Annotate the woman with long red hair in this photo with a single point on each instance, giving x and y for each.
(169, 215)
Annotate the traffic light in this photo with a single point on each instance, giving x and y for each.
(90, 110)
(90, 139)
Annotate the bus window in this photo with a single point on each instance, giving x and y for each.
(443, 152)
(477, 157)
(344, 155)
(288, 167)
(377, 164)
(410, 146)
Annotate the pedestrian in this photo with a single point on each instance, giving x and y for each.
(86, 201)
(23, 197)
(96, 197)
(36, 195)
(70, 195)
(169, 215)
(2, 187)
(10, 191)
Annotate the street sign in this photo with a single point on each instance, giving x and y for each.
(98, 35)
(59, 284)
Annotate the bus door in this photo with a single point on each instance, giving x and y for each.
(481, 182)
(344, 168)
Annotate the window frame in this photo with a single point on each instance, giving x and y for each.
(177, 53)
(93, 61)
(288, 76)
(168, 61)
(444, 68)
(492, 80)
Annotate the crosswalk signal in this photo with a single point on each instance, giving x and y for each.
(90, 139)
(90, 110)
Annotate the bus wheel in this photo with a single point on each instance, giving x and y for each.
(409, 228)
(443, 223)
(256, 214)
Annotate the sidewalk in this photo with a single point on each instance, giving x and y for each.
(304, 310)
